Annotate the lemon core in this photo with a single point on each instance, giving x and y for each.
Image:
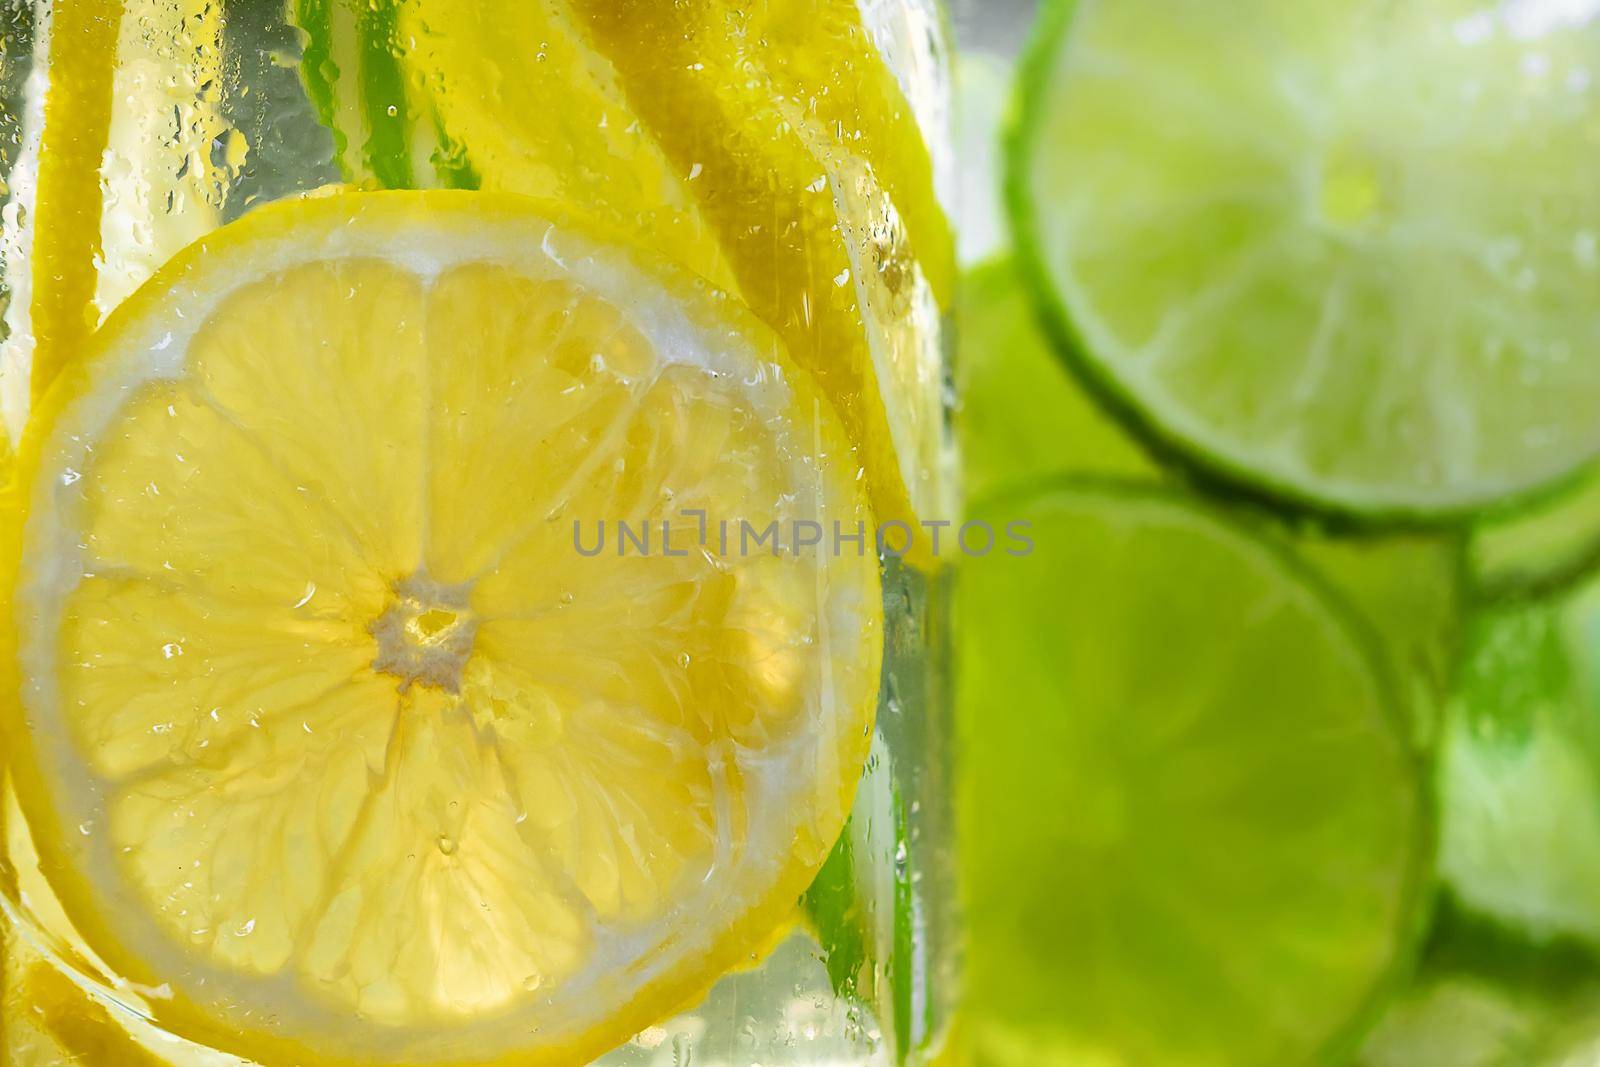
(425, 635)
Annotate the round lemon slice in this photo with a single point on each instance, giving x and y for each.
(357, 728)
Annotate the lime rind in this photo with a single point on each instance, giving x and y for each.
(1159, 413)
(1541, 548)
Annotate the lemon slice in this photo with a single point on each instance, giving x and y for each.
(769, 148)
(116, 173)
(338, 729)
(802, 200)
(64, 225)
(832, 66)
(541, 114)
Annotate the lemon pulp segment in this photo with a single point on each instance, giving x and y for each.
(333, 729)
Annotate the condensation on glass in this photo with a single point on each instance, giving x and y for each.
(211, 116)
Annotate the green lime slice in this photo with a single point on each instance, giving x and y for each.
(1022, 416)
(1456, 1021)
(1194, 827)
(1519, 769)
(1467, 1021)
(1539, 549)
(1488, 999)
(1346, 252)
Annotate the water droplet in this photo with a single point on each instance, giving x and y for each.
(683, 660)
(86, 828)
(171, 649)
(247, 929)
(69, 476)
(447, 845)
(532, 982)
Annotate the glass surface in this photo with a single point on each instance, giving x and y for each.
(128, 131)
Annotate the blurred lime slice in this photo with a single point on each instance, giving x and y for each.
(1023, 416)
(1486, 999)
(1540, 548)
(1519, 769)
(1465, 1021)
(1200, 825)
(1345, 252)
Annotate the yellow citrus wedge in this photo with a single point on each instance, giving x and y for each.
(821, 251)
(333, 727)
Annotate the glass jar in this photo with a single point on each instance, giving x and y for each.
(793, 152)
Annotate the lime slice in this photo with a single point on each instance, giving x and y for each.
(328, 725)
(1485, 998)
(1462, 1021)
(1023, 416)
(1195, 824)
(1543, 547)
(1287, 241)
(1519, 769)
